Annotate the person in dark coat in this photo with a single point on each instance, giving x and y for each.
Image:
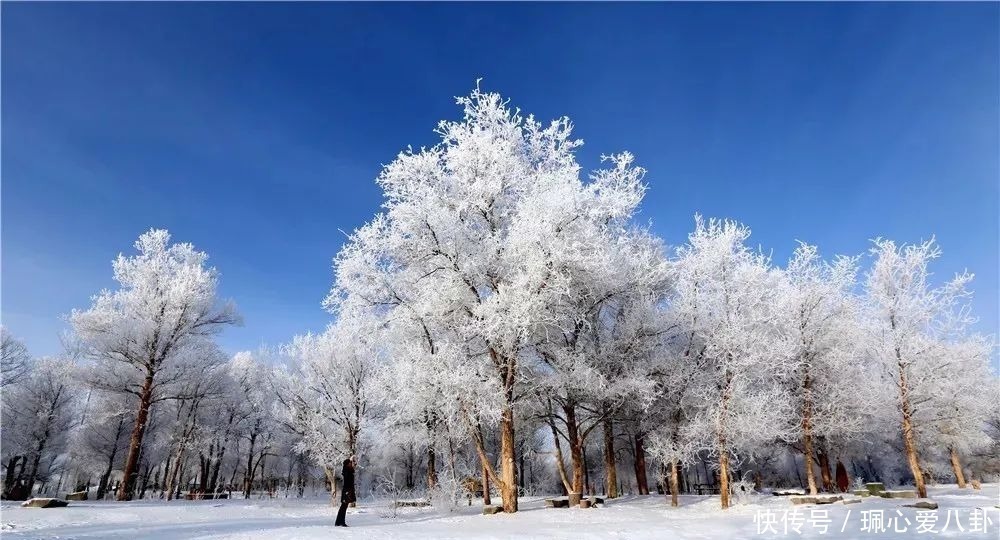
(347, 494)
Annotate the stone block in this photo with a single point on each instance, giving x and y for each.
(925, 504)
(76, 496)
(39, 502)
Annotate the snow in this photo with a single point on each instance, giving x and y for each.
(633, 517)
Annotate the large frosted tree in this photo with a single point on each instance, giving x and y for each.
(727, 292)
(817, 311)
(38, 414)
(326, 391)
(469, 240)
(953, 414)
(596, 336)
(907, 317)
(155, 331)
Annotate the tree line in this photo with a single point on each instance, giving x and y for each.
(500, 320)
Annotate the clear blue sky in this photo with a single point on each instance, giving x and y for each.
(255, 130)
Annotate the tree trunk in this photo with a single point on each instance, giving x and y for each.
(146, 471)
(674, 484)
(640, 464)
(824, 471)
(9, 478)
(484, 462)
(408, 477)
(724, 475)
(102, 486)
(508, 468)
(34, 469)
(956, 466)
(166, 474)
(560, 464)
(181, 470)
(520, 468)
(205, 467)
(248, 475)
(807, 440)
(172, 481)
(135, 443)
(213, 483)
(909, 444)
(610, 472)
(575, 453)
(723, 449)
(486, 487)
(330, 477)
(432, 476)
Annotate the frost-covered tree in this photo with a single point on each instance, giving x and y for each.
(473, 226)
(326, 392)
(189, 423)
(244, 406)
(103, 436)
(419, 401)
(155, 331)
(907, 317)
(818, 313)
(665, 425)
(728, 290)
(253, 391)
(596, 336)
(14, 358)
(37, 416)
(952, 420)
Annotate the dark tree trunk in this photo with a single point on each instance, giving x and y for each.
(410, 459)
(508, 469)
(486, 487)
(520, 470)
(432, 476)
(166, 475)
(674, 484)
(214, 482)
(843, 481)
(248, 476)
(610, 471)
(34, 464)
(575, 454)
(135, 443)
(8, 482)
(102, 487)
(824, 471)
(640, 465)
(146, 471)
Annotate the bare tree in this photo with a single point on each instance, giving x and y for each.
(14, 358)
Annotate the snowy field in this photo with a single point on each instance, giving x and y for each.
(630, 517)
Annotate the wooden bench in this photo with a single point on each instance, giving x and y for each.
(411, 504)
(706, 489)
(563, 502)
(198, 496)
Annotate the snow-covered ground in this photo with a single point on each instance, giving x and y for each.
(630, 517)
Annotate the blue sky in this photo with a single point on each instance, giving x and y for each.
(255, 131)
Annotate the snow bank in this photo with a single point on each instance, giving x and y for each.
(633, 517)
